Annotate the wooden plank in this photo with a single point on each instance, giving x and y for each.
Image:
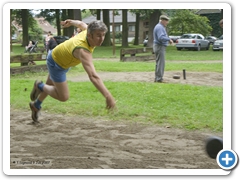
(139, 58)
(31, 68)
(136, 50)
(25, 58)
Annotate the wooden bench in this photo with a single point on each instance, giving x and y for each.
(137, 54)
(26, 64)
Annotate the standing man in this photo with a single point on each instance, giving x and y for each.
(68, 54)
(160, 43)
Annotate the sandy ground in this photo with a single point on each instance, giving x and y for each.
(75, 142)
(195, 78)
(61, 142)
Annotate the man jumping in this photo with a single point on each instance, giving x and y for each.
(66, 55)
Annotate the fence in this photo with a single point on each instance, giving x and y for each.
(137, 54)
(26, 61)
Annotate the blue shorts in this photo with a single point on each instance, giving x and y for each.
(57, 73)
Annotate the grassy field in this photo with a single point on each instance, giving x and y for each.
(176, 105)
(116, 66)
(171, 53)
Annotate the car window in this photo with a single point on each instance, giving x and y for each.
(188, 36)
(221, 37)
(199, 37)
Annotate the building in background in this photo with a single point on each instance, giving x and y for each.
(131, 18)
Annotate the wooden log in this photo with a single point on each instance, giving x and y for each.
(31, 68)
(134, 53)
(25, 58)
(139, 58)
(136, 50)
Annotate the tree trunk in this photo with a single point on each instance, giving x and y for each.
(107, 40)
(25, 40)
(153, 20)
(24, 15)
(64, 17)
(71, 28)
(124, 28)
(98, 14)
(58, 22)
(77, 14)
(222, 18)
(136, 39)
(10, 30)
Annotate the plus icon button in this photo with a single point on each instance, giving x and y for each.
(227, 159)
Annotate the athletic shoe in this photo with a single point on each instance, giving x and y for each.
(35, 111)
(35, 91)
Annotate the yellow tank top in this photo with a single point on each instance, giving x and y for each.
(63, 53)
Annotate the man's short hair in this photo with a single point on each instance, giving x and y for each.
(96, 25)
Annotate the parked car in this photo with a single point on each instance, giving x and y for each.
(218, 44)
(192, 41)
(145, 41)
(211, 39)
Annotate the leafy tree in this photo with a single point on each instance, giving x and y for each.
(153, 16)
(185, 21)
(30, 28)
(54, 16)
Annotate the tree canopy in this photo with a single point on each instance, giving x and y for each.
(186, 21)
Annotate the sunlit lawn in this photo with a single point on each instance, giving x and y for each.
(176, 105)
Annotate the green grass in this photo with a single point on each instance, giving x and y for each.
(116, 66)
(181, 106)
(17, 49)
(150, 66)
(176, 105)
(171, 53)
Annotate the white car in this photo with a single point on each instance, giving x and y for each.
(192, 41)
(218, 44)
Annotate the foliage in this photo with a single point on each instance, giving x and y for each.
(185, 21)
(144, 13)
(34, 31)
(86, 13)
(214, 19)
(49, 15)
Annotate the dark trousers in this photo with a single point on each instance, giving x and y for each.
(159, 51)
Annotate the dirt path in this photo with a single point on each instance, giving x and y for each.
(63, 142)
(195, 78)
(75, 142)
